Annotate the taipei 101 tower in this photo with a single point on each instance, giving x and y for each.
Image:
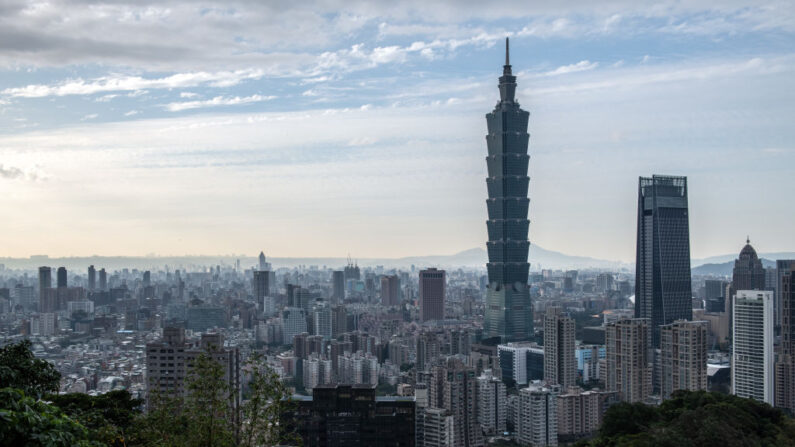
(508, 311)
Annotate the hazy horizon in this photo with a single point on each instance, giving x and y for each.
(322, 129)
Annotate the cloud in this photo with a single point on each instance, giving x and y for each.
(217, 101)
(13, 173)
(132, 113)
(135, 84)
(188, 95)
(572, 68)
(90, 116)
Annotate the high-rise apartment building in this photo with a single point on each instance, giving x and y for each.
(62, 283)
(509, 314)
(322, 320)
(92, 278)
(432, 290)
(683, 358)
(627, 364)
(492, 402)
(454, 388)
(663, 293)
(560, 367)
(752, 356)
(580, 413)
(169, 362)
(785, 364)
(390, 290)
(537, 423)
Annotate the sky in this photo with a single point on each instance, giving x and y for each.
(328, 128)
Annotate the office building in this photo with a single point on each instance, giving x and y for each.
(748, 272)
(752, 356)
(103, 280)
(521, 362)
(627, 364)
(492, 401)
(338, 282)
(322, 320)
(683, 358)
(559, 360)
(352, 415)
(293, 323)
(537, 415)
(662, 266)
(92, 278)
(204, 317)
(45, 283)
(785, 363)
(261, 286)
(390, 290)
(432, 294)
(62, 283)
(509, 314)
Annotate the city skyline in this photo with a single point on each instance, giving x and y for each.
(121, 133)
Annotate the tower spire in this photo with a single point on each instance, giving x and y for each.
(508, 80)
(507, 53)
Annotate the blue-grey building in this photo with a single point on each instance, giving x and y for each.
(663, 292)
(509, 314)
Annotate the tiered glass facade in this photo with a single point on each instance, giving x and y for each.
(508, 311)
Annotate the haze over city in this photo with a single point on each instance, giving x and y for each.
(317, 129)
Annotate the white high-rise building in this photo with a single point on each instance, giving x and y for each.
(492, 403)
(538, 416)
(752, 358)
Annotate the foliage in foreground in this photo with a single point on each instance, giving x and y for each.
(30, 416)
(695, 419)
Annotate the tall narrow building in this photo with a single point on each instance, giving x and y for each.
(684, 357)
(663, 292)
(627, 363)
(508, 311)
(390, 290)
(785, 363)
(560, 367)
(752, 355)
(338, 286)
(92, 278)
(432, 290)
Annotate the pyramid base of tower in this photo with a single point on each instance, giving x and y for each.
(509, 313)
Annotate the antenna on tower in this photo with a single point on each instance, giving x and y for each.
(507, 54)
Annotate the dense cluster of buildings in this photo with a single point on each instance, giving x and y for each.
(430, 357)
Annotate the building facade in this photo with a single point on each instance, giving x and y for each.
(508, 314)
(627, 364)
(752, 355)
(683, 346)
(663, 291)
(432, 294)
(559, 360)
(537, 416)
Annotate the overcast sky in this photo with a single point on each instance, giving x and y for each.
(325, 128)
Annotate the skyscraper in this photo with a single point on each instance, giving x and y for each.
(683, 358)
(92, 278)
(560, 366)
(103, 280)
(748, 273)
(338, 280)
(45, 282)
(492, 400)
(508, 311)
(752, 355)
(538, 415)
(454, 388)
(663, 291)
(785, 364)
(261, 291)
(432, 289)
(390, 290)
(62, 277)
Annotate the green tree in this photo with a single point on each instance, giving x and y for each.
(109, 416)
(262, 414)
(208, 406)
(26, 421)
(20, 369)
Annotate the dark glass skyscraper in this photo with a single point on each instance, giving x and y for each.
(663, 291)
(508, 311)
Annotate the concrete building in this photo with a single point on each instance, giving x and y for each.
(432, 294)
(322, 320)
(627, 364)
(683, 358)
(752, 356)
(521, 362)
(537, 423)
(492, 401)
(559, 360)
(293, 323)
(454, 388)
(435, 428)
(390, 290)
(580, 413)
(338, 286)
